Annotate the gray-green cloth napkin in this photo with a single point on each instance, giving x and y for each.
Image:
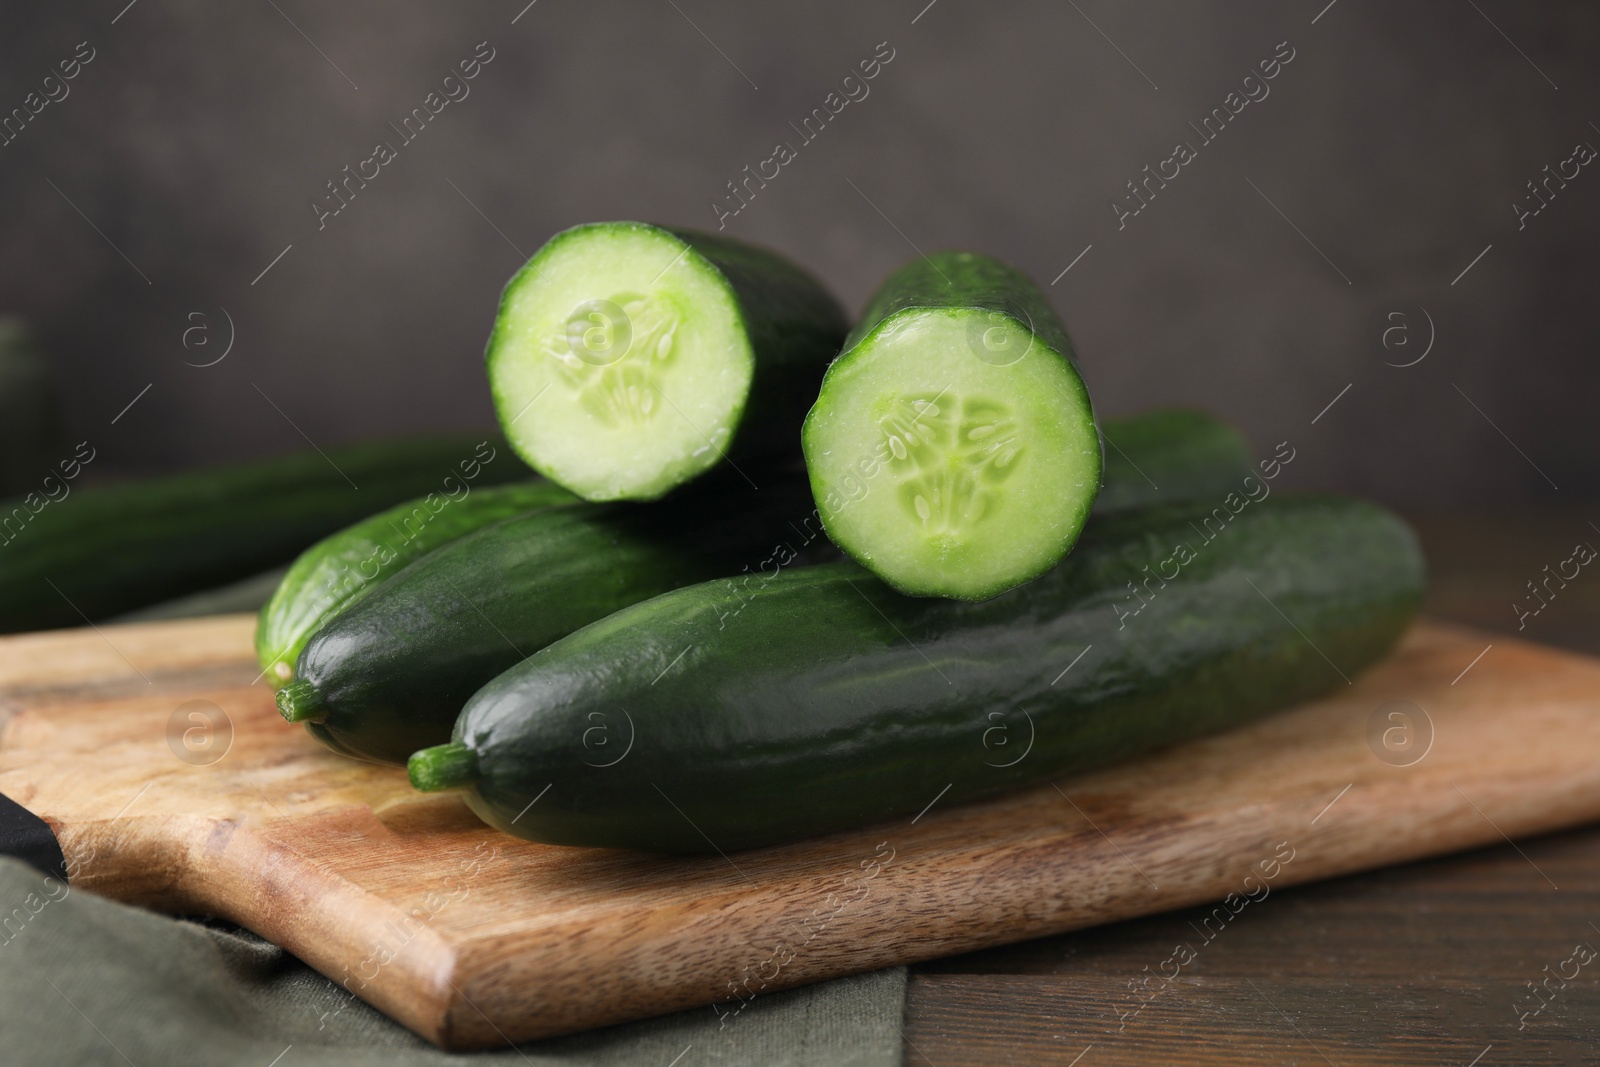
(85, 981)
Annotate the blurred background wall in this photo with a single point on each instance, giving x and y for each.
(162, 202)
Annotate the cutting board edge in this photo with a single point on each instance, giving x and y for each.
(1460, 829)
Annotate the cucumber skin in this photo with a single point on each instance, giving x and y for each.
(796, 328)
(332, 574)
(828, 701)
(115, 549)
(794, 325)
(1171, 454)
(393, 670)
(964, 280)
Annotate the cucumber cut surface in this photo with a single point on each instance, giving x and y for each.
(953, 448)
(626, 358)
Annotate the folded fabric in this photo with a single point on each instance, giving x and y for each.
(86, 981)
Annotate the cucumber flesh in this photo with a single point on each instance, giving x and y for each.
(955, 451)
(624, 356)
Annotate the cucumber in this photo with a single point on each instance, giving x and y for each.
(1171, 454)
(340, 569)
(957, 401)
(90, 553)
(389, 674)
(828, 701)
(664, 352)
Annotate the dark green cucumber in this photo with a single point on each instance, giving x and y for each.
(958, 403)
(389, 674)
(663, 353)
(67, 554)
(706, 719)
(342, 568)
(1172, 454)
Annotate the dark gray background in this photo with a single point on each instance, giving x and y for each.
(1396, 141)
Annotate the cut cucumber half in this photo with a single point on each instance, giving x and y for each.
(628, 359)
(953, 450)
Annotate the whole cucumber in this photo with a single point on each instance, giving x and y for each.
(344, 567)
(68, 554)
(825, 700)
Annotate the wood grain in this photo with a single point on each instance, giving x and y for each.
(1426, 963)
(473, 939)
(1239, 1022)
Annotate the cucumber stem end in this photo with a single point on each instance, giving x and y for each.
(442, 767)
(299, 701)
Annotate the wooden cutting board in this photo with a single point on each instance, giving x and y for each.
(172, 782)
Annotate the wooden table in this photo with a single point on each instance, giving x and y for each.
(1431, 963)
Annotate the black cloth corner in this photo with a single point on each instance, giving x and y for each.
(30, 839)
